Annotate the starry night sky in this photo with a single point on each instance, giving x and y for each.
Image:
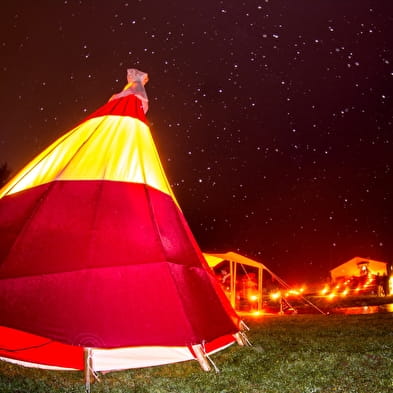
(273, 118)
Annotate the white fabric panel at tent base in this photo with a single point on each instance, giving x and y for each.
(136, 357)
(130, 357)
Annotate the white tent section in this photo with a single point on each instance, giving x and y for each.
(235, 261)
(239, 263)
(354, 267)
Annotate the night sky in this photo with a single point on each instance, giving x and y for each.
(273, 119)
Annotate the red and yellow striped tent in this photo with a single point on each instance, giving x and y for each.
(96, 257)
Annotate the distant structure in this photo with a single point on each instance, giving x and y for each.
(364, 275)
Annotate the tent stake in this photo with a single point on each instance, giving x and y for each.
(239, 339)
(201, 357)
(89, 378)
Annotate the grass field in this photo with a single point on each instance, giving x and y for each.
(290, 354)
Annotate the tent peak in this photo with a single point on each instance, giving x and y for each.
(135, 75)
(136, 81)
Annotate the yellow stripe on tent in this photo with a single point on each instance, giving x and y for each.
(103, 148)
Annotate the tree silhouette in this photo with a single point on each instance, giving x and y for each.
(5, 173)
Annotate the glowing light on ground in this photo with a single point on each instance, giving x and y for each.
(325, 290)
(332, 295)
(253, 298)
(275, 295)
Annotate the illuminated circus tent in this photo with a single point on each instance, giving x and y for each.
(98, 267)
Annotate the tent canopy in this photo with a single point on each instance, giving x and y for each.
(236, 259)
(215, 259)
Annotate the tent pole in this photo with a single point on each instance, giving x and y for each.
(260, 289)
(232, 269)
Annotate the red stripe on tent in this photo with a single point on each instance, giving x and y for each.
(108, 264)
(216, 344)
(116, 307)
(125, 106)
(27, 347)
(69, 225)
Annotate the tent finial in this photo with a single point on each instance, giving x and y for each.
(136, 81)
